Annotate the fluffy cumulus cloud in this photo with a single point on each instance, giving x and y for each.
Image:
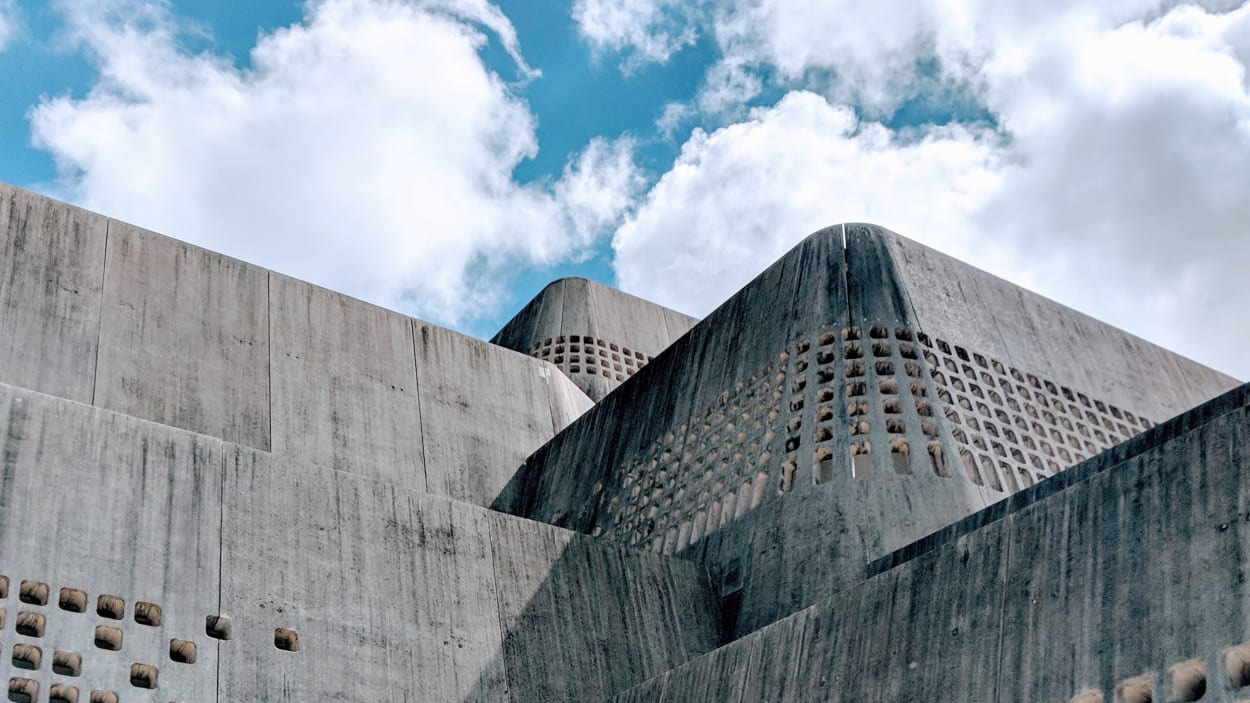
(1109, 169)
(645, 30)
(367, 148)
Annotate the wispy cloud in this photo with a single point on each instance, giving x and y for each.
(8, 22)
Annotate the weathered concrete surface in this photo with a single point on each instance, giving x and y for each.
(1127, 565)
(472, 420)
(344, 380)
(570, 310)
(1024, 329)
(395, 594)
(51, 273)
(814, 404)
(187, 340)
(190, 338)
(109, 505)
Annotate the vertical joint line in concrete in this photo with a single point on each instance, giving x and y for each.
(494, 574)
(1002, 607)
(269, 338)
(99, 327)
(221, 556)
(416, 377)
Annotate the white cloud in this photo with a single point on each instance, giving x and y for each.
(368, 149)
(741, 196)
(8, 22)
(1115, 180)
(647, 31)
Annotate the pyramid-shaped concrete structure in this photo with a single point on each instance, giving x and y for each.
(875, 473)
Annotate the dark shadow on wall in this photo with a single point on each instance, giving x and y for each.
(582, 620)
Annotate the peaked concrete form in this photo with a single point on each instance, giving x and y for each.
(596, 335)
(821, 419)
(850, 482)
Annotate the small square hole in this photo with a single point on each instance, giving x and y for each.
(4, 587)
(286, 640)
(73, 600)
(33, 592)
(110, 607)
(143, 675)
(109, 638)
(67, 663)
(30, 624)
(27, 656)
(23, 690)
(148, 614)
(219, 627)
(103, 697)
(182, 651)
(63, 693)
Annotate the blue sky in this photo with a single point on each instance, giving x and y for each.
(449, 157)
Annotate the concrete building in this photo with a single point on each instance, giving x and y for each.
(875, 473)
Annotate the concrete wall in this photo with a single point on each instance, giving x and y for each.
(1125, 573)
(954, 300)
(102, 312)
(596, 335)
(394, 594)
(808, 426)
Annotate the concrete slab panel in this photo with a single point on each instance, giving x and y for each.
(113, 507)
(185, 337)
(483, 410)
(344, 384)
(51, 274)
(392, 592)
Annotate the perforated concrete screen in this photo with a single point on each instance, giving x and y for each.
(854, 481)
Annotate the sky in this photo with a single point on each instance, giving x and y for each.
(448, 158)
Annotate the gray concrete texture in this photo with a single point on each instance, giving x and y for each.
(392, 593)
(810, 425)
(574, 311)
(1123, 579)
(101, 312)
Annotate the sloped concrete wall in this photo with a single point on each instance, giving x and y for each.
(102, 312)
(1128, 571)
(596, 335)
(809, 426)
(394, 594)
(957, 301)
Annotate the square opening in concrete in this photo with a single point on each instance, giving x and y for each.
(73, 600)
(286, 640)
(4, 587)
(109, 638)
(111, 607)
(23, 690)
(27, 656)
(182, 651)
(102, 697)
(63, 693)
(148, 614)
(67, 663)
(219, 627)
(30, 624)
(33, 592)
(143, 675)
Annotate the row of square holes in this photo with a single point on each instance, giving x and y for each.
(65, 663)
(1186, 681)
(607, 358)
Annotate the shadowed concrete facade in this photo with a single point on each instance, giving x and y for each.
(850, 482)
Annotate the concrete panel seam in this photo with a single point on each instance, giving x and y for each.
(269, 371)
(221, 540)
(1002, 605)
(99, 326)
(499, 605)
(416, 387)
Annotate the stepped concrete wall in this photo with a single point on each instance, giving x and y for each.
(596, 335)
(101, 312)
(811, 424)
(123, 541)
(1123, 579)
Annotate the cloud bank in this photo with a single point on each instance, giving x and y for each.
(1107, 170)
(367, 149)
